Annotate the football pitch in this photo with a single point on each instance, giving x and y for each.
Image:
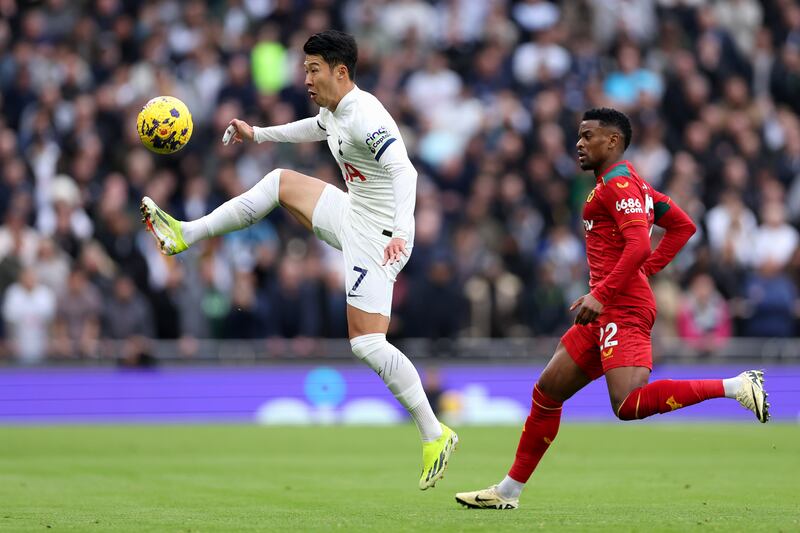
(614, 477)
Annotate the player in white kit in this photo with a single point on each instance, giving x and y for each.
(372, 224)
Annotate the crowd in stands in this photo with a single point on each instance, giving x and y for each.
(488, 95)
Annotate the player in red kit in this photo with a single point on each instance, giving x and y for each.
(611, 334)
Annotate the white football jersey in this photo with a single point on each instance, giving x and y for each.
(366, 143)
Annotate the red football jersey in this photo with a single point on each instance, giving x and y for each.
(620, 199)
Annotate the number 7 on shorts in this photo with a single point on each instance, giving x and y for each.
(361, 273)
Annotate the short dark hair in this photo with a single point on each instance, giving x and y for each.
(611, 117)
(335, 47)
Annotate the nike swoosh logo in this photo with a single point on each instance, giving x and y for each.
(479, 499)
(351, 295)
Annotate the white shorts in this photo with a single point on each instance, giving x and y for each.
(368, 284)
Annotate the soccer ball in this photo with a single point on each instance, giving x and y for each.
(164, 124)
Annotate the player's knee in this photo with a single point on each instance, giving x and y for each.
(547, 387)
(626, 408)
(368, 348)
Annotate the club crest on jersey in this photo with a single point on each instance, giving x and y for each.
(629, 206)
(375, 139)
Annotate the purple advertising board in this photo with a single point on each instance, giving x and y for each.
(348, 394)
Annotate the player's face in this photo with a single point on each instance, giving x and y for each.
(319, 80)
(595, 144)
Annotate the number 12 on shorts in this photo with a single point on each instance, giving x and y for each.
(362, 272)
(609, 332)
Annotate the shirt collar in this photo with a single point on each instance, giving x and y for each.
(346, 100)
(606, 171)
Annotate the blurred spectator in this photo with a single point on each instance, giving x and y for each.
(775, 240)
(19, 239)
(703, 318)
(494, 296)
(628, 85)
(78, 315)
(541, 59)
(772, 304)
(546, 311)
(632, 19)
(741, 19)
(433, 86)
(649, 155)
(291, 311)
(731, 226)
(61, 216)
(535, 15)
(244, 320)
(52, 265)
(28, 309)
(127, 314)
(435, 303)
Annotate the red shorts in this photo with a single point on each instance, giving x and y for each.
(619, 337)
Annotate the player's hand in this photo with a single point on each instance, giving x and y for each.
(394, 251)
(589, 308)
(237, 131)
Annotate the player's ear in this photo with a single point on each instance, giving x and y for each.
(341, 72)
(613, 140)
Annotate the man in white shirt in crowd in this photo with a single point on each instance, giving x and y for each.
(28, 309)
(372, 224)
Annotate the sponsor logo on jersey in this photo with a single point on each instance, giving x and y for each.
(623, 184)
(630, 206)
(588, 225)
(375, 139)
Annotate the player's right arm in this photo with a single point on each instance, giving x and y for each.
(680, 229)
(306, 130)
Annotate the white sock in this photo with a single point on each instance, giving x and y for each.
(237, 213)
(732, 386)
(510, 488)
(401, 377)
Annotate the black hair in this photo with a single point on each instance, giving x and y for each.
(335, 47)
(611, 117)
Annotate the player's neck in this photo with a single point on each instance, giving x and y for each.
(341, 91)
(610, 162)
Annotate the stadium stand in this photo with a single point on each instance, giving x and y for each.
(488, 95)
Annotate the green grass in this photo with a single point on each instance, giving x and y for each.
(617, 477)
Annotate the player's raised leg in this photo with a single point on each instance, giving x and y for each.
(632, 398)
(297, 192)
(368, 340)
(559, 381)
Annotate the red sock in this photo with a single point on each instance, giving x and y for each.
(539, 432)
(667, 395)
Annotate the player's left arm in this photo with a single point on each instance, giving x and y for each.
(626, 205)
(680, 229)
(384, 142)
